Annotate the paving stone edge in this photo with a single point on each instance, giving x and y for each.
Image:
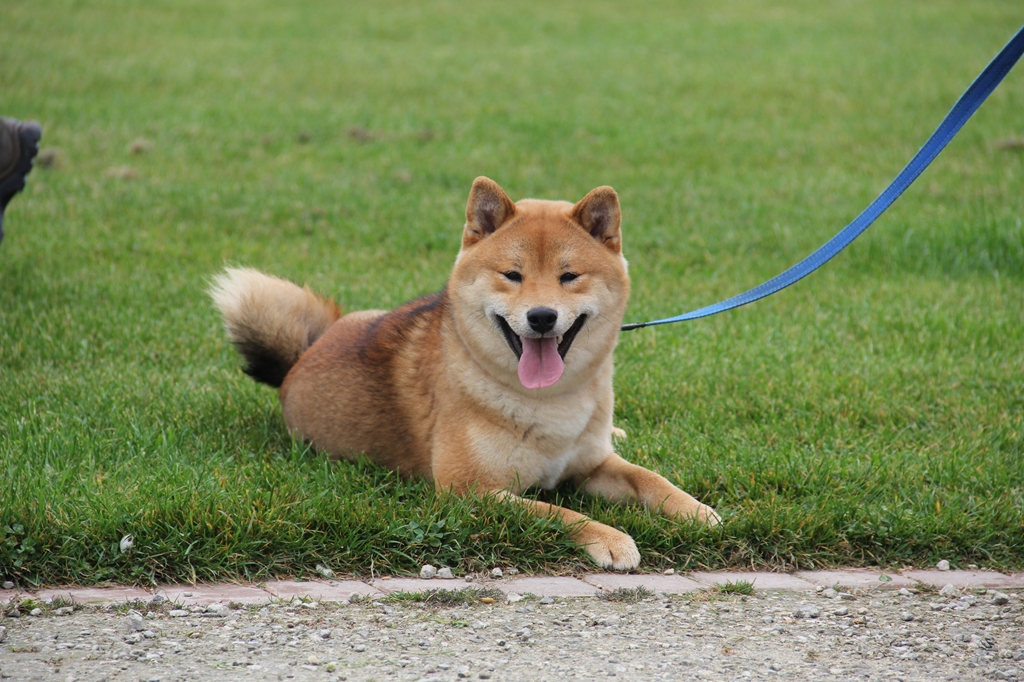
(589, 585)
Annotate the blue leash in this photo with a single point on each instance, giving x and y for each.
(965, 107)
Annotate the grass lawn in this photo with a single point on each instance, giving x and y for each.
(872, 415)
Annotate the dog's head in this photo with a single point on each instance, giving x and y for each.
(540, 287)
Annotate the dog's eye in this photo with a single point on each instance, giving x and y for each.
(567, 277)
(513, 276)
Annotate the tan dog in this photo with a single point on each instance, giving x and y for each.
(501, 381)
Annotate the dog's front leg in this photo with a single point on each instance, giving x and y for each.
(619, 481)
(608, 547)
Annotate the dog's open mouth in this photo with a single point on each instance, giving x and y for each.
(540, 359)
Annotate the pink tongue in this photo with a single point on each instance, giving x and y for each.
(540, 365)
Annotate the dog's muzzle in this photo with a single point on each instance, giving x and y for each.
(516, 343)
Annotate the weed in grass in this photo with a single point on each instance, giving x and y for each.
(628, 595)
(712, 594)
(442, 597)
(742, 587)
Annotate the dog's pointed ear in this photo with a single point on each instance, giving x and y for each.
(488, 209)
(598, 213)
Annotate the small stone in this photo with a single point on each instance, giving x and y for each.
(806, 611)
(133, 638)
(942, 565)
(324, 634)
(979, 642)
(218, 610)
(842, 611)
(1000, 599)
(547, 600)
(14, 613)
(158, 599)
(512, 570)
(3, 633)
(8, 585)
(496, 573)
(445, 573)
(463, 671)
(359, 647)
(149, 634)
(36, 612)
(178, 613)
(829, 593)
(135, 622)
(313, 660)
(428, 572)
(846, 596)
(906, 616)
(949, 591)
(324, 571)
(767, 619)
(513, 597)
(64, 611)
(904, 592)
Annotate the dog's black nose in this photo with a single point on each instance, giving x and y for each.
(542, 320)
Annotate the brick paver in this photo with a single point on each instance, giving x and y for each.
(95, 595)
(334, 591)
(856, 578)
(655, 582)
(420, 585)
(964, 578)
(542, 586)
(204, 595)
(8, 595)
(761, 580)
(547, 586)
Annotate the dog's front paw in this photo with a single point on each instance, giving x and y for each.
(609, 548)
(708, 515)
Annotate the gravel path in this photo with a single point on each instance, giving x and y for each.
(906, 635)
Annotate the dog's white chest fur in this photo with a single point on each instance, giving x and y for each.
(545, 444)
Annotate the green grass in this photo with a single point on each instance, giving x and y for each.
(740, 587)
(445, 597)
(872, 415)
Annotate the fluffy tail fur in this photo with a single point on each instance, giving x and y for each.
(272, 322)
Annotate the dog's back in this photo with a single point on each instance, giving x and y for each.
(368, 385)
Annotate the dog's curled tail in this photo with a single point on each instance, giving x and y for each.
(271, 321)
